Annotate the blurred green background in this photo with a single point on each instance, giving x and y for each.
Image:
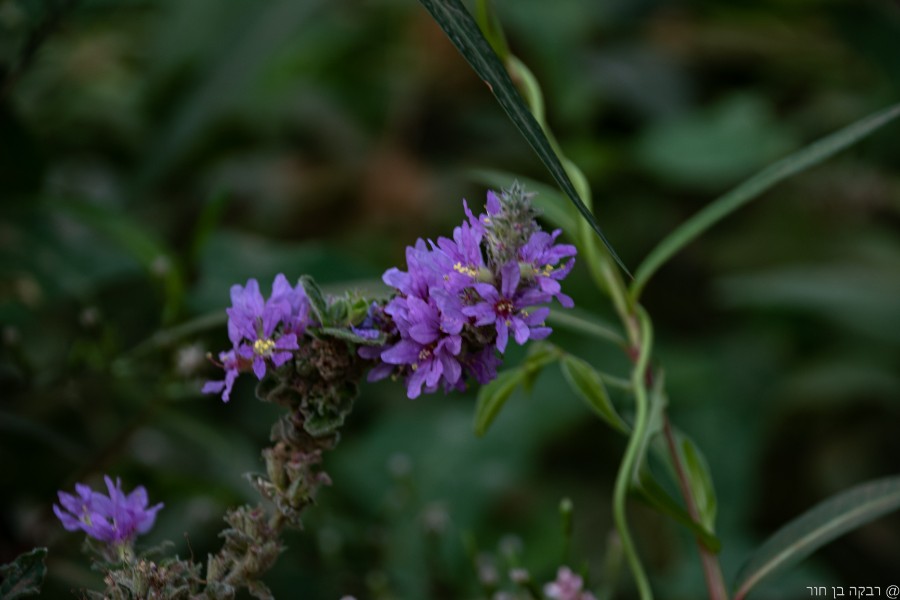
(154, 153)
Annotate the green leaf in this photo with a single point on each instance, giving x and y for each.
(23, 576)
(349, 336)
(490, 25)
(540, 354)
(317, 303)
(585, 382)
(493, 396)
(651, 492)
(463, 31)
(724, 205)
(818, 526)
(700, 480)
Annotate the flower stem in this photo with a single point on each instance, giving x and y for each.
(630, 462)
(712, 573)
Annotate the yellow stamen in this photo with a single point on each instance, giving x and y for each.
(263, 347)
(465, 270)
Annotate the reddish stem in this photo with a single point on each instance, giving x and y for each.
(711, 570)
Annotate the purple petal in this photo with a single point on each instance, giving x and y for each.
(259, 367)
(69, 522)
(502, 335)
(279, 358)
(287, 342)
(540, 333)
(423, 333)
(404, 352)
(493, 203)
(509, 277)
(520, 330)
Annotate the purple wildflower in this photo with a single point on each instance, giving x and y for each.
(261, 331)
(231, 364)
(460, 259)
(254, 319)
(114, 518)
(508, 308)
(542, 255)
(297, 318)
(567, 586)
(428, 345)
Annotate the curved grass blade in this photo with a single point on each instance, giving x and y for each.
(723, 206)
(463, 31)
(818, 526)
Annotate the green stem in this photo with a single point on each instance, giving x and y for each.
(607, 278)
(631, 458)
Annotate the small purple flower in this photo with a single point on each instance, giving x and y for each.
(231, 364)
(460, 259)
(542, 255)
(297, 318)
(508, 308)
(252, 325)
(567, 586)
(114, 518)
(429, 344)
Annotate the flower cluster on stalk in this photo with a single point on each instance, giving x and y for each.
(114, 518)
(263, 332)
(461, 299)
(454, 310)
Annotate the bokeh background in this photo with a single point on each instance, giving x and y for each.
(154, 153)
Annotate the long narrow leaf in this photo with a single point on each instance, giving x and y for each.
(723, 206)
(463, 31)
(818, 526)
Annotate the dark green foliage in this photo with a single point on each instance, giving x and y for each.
(23, 576)
(243, 139)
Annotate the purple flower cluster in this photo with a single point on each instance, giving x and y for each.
(262, 332)
(461, 299)
(114, 518)
(567, 586)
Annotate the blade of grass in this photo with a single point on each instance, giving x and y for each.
(464, 33)
(818, 526)
(723, 206)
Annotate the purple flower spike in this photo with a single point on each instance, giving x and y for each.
(114, 518)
